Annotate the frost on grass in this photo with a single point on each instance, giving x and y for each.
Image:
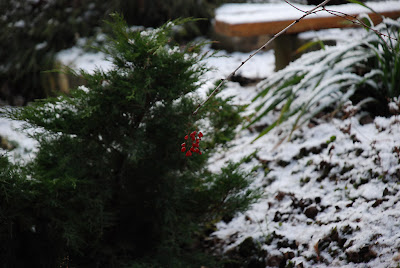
(311, 84)
(330, 193)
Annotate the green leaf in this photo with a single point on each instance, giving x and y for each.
(309, 45)
(266, 130)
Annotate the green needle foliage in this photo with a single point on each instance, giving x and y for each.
(364, 69)
(109, 185)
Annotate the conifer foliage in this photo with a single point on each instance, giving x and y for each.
(109, 186)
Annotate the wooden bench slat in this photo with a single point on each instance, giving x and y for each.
(306, 24)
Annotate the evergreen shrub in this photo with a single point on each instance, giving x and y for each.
(109, 185)
(34, 31)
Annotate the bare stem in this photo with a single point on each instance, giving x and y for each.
(216, 90)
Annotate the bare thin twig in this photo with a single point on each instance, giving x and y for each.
(290, 4)
(216, 90)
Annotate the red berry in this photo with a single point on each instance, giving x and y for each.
(195, 145)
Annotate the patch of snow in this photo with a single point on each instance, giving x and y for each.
(260, 66)
(41, 45)
(26, 146)
(19, 24)
(77, 58)
(84, 88)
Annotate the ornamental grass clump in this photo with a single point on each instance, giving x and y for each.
(387, 56)
(108, 186)
(364, 69)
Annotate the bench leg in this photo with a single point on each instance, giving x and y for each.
(284, 48)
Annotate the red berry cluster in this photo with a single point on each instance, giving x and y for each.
(195, 143)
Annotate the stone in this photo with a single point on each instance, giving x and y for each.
(311, 212)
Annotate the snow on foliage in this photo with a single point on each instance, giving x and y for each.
(323, 79)
(330, 193)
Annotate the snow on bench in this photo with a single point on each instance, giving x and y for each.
(245, 27)
(260, 19)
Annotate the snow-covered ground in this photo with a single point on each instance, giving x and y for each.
(330, 195)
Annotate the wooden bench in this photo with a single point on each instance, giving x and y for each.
(256, 20)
